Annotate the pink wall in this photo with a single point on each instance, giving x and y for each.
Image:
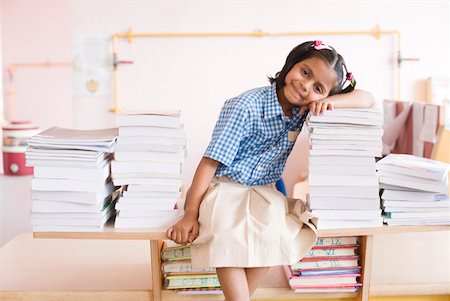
(209, 70)
(1, 77)
(37, 32)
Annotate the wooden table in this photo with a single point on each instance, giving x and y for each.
(156, 236)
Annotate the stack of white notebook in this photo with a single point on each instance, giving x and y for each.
(343, 184)
(415, 190)
(71, 187)
(148, 159)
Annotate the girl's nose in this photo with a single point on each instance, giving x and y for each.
(306, 86)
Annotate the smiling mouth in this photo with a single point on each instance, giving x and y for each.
(297, 94)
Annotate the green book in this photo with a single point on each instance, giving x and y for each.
(178, 252)
(192, 281)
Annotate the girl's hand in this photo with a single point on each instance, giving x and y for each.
(185, 231)
(320, 106)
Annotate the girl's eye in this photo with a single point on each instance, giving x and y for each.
(304, 72)
(319, 89)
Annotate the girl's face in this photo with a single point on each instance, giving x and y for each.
(309, 80)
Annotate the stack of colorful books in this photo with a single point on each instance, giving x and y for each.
(148, 159)
(330, 266)
(414, 190)
(179, 274)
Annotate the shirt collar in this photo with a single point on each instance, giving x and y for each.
(272, 106)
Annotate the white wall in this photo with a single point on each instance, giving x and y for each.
(1, 89)
(1, 74)
(15, 206)
(199, 74)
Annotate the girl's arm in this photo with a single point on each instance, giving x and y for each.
(354, 99)
(186, 230)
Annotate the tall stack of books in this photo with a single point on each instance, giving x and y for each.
(414, 190)
(150, 150)
(179, 274)
(330, 266)
(343, 184)
(71, 188)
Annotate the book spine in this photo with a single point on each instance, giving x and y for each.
(177, 253)
(330, 252)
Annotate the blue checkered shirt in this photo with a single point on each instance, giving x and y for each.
(250, 139)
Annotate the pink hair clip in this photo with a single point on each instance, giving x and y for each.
(351, 79)
(319, 45)
(350, 76)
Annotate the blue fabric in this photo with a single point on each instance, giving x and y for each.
(250, 139)
(280, 186)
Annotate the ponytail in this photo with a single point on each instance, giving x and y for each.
(351, 82)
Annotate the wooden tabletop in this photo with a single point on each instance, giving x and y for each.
(109, 232)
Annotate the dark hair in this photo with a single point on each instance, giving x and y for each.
(327, 54)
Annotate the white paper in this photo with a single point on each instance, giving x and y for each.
(428, 133)
(393, 124)
(92, 72)
(418, 109)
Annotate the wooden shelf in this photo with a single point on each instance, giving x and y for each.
(108, 232)
(154, 236)
(260, 294)
(382, 230)
(77, 295)
(159, 234)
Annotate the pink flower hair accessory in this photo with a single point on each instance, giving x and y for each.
(319, 45)
(350, 76)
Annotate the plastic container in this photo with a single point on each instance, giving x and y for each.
(15, 141)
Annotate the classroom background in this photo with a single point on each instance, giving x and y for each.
(58, 69)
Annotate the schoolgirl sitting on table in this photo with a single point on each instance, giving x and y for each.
(234, 217)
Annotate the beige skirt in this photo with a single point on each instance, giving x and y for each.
(251, 226)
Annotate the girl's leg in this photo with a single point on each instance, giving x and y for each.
(254, 277)
(233, 282)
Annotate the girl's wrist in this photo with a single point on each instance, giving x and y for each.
(191, 213)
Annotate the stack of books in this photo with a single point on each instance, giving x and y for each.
(179, 274)
(150, 150)
(415, 190)
(71, 188)
(330, 266)
(343, 184)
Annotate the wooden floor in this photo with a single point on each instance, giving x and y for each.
(76, 264)
(90, 269)
(67, 264)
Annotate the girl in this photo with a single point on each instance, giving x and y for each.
(234, 217)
